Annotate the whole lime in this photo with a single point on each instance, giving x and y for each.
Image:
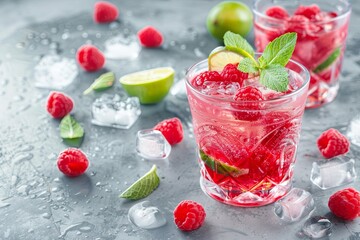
(229, 16)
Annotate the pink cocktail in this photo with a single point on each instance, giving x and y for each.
(246, 149)
(322, 30)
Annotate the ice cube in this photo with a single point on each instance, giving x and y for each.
(333, 172)
(296, 205)
(145, 216)
(353, 131)
(55, 72)
(152, 144)
(317, 227)
(119, 111)
(225, 89)
(120, 47)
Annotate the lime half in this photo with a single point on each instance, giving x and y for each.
(220, 57)
(150, 86)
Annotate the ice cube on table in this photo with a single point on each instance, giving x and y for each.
(334, 172)
(119, 111)
(353, 131)
(121, 47)
(317, 227)
(145, 216)
(152, 144)
(296, 205)
(55, 72)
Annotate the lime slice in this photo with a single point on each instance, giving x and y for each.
(330, 60)
(220, 57)
(143, 186)
(150, 86)
(221, 167)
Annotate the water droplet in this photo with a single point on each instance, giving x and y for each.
(145, 216)
(183, 47)
(54, 30)
(65, 36)
(98, 35)
(46, 215)
(45, 41)
(80, 27)
(85, 35)
(31, 230)
(21, 157)
(20, 45)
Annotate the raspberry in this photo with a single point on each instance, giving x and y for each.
(200, 79)
(232, 74)
(189, 215)
(332, 143)
(345, 204)
(59, 105)
(171, 129)
(72, 162)
(90, 58)
(309, 12)
(277, 12)
(150, 37)
(248, 99)
(105, 12)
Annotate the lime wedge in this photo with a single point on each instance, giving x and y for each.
(143, 186)
(221, 167)
(220, 57)
(150, 86)
(330, 60)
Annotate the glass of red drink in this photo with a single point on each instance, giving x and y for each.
(322, 28)
(246, 149)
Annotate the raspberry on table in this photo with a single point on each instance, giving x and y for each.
(171, 129)
(232, 74)
(90, 58)
(59, 105)
(105, 12)
(150, 37)
(189, 215)
(249, 102)
(345, 204)
(308, 11)
(332, 143)
(277, 12)
(203, 77)
(72, 162)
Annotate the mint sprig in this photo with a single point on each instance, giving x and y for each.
(271, 64)
(71, 131)
(103, 82)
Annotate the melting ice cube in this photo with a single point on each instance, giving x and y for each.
(333, 173)
(120, 47)
(55, 72)
(353, 131)
(317, 227)
(145, 216)
(152, 144)
(117, 111)
(297, 204)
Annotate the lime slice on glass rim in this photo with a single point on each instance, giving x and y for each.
(220, 57)
(150, 86)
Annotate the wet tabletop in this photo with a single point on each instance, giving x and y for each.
(38, 202)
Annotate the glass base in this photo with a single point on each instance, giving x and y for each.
(245, 199)
(320, 95)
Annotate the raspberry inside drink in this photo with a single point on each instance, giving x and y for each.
(322, 29)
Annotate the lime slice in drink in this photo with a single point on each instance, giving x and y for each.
(221, 167)
(143, 186)
(150, 86)
(329, 61)
(220, 57)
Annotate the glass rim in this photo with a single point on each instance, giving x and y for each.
(273, 100)
(339, 17)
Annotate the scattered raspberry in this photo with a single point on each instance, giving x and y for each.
(332, 143)
(59, 105)
(345, 204)
(105, 12)
(277, 12)
(171, 129)
(150, 37)
(72, 162)
(90, 58)
(308, 11)
(249, 103)
(200, 79)
(232, 74)
(189, 215)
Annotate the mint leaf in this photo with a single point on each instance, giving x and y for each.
(330, 60)
(70, 128)
(247, 65)
(279, 51)
(236, 43)
(275, 77)
(103, 82)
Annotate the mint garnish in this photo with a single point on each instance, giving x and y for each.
(271, 64)
(330, 60)
(103, 82)
(71, 131)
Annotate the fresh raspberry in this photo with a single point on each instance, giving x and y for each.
(90, 58)
(189, 215)
(171, 129)
(105, 12)
(308, 11)
(72, 162)
(345, 204)
(59, 105)
(200, 79)
(232, 74)
(332, 143)
(249, 103)
(150, 37)
(277, 12)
